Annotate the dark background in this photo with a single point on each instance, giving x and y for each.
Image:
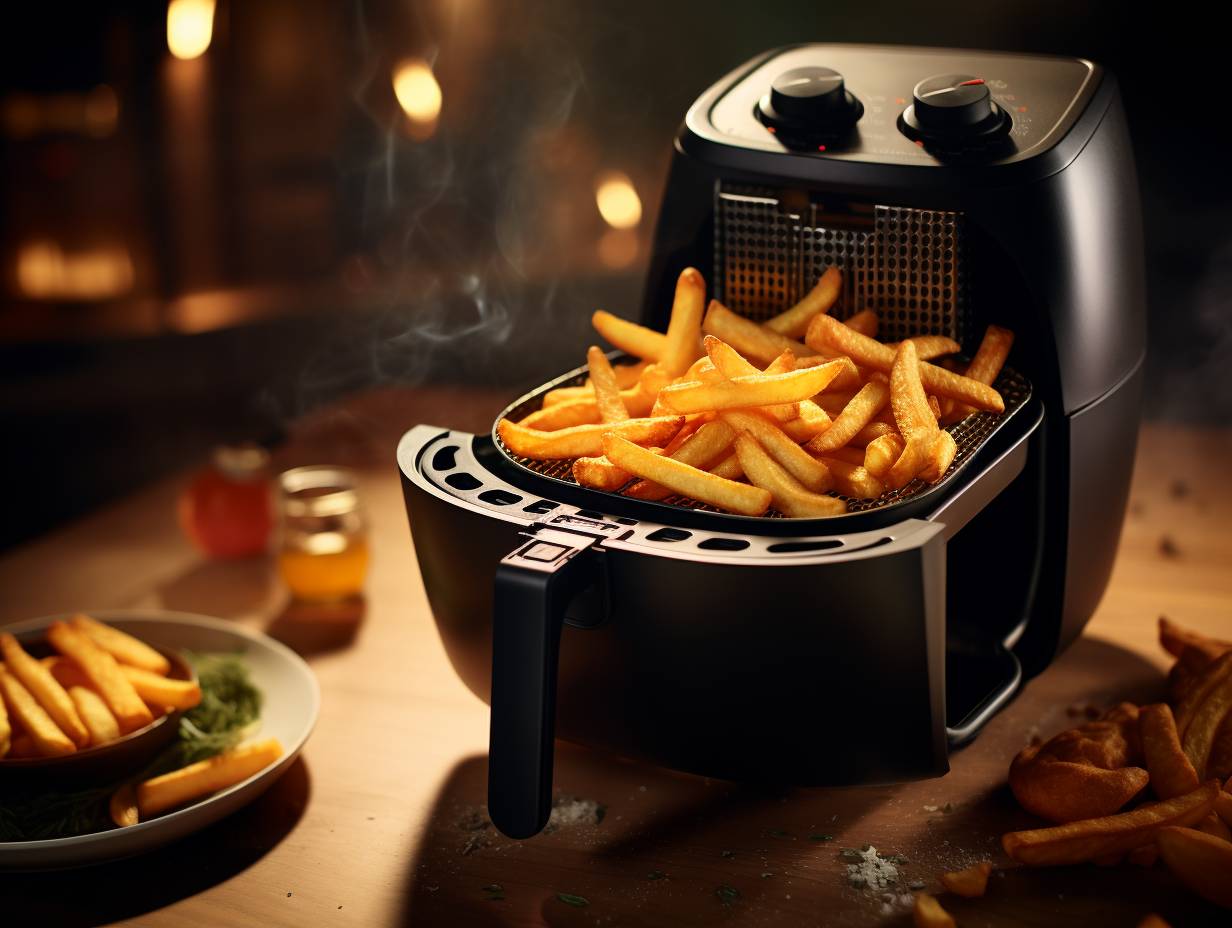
(273, 234)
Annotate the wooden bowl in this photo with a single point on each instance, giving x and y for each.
(99, 765)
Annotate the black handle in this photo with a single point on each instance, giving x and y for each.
(534, 586)
(1011, 678)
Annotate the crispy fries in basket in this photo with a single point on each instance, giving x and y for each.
(810, 473)
(161, 691)
(1200, 861)
(859, 412)
(584, 440)
(749, 390)
(852, 479)
(755, 342)
(688, 481)
(684, 326)
(794, 322)
(48, 740)
(123, 647)
(709, 443)
(1171, 772)
(98, 719)
(789, 496)
(986, 365)
(1199, 734)
(865, 322)
(629, 337)
(104, 675)
(37, 679)
(610, 406)
(881, 453)
(563, 415)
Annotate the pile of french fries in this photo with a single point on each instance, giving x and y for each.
(744, 417)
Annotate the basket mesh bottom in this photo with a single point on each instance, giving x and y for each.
(970, 434)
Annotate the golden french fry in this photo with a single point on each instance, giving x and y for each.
(163, 691)
(794, 322)
(865, 322)
(881, 453)
(1199, 735)
(1210, 678)
(810, 473)
(642, 398)
(563, 415)
(749, 390)
(684, 479)
(1175, 639)
(853, 456)
(928, 347)
(852, 479)
(1089, 838)
(584, 440)
(809, 423)
(204, 777)
(98, 719)
(6, 728)
(599, 474)
(859, 412)
(1200, 861)
(871, 432)
(789, 496)
(755, 342)
(729, 468)
(1213, 825)
(828, 334)
(940, 456)
(1223, 805)
(849, 377)
(49, 741)
(104, 674)
(684, 326)
(123, 806)
(123, 647)
(969, 883)
(987, 363)
(1171, 772)
(928, 913)
(607, 395)
(627, 375)
(730, 363)
(37, 679)
(915, 457)
(912, 413)
(705, 447)
(629, 337)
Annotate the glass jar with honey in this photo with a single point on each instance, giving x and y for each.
(324, 550)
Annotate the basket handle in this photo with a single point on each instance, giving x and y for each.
(534, 586)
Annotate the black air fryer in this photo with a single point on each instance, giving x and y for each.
(954, 189)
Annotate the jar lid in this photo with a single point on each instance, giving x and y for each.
(319, 490)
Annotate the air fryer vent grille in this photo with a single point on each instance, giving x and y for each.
(772, 246)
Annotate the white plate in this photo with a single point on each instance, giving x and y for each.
(292, 700)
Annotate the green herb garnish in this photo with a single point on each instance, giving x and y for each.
(570, 899)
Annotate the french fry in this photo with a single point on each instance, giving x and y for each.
(755, 342)
(684, 326)
(49, 741)
(940, 456)
(858, 413)
(1213, 825)
(729, 468)
(1175, 639)
(853, 456)
(6, 728)
(123, 647)
(849, 376)
(852, 479)
(928, 347)
(584, 440)
(1199, 736)
(881, 453)
(629, 337)
(789, 496)
(912, 413)
(970, 883)
(828, 334)
(627, 375)
(986, 365)
(1200, 861)
(871, 432)
(98, 719)
(122, 807)
(163, 691)
(708, 444)
(749, 390)
(928, 913)
(104, 675)
(1144, 856)
(1223, 806)
(563, 415)
(684, 479)
(730, 364)
(37, 679)
(1087, 839)
(810, 473)
(865, 322)
(607, 395)
(915, 457)
(204, 777)
(811, 422)
(1209, 679)
(67, 673)
(1171, 772)
(794, 322)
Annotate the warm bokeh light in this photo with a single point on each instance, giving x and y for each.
(190, 26)
(618, 202)
(618, 248)
(46, 272)
(95, 114)
(417, 91)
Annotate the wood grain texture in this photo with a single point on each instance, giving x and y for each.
(377, 824)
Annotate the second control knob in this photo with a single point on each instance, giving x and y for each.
(954, 109)
(809, 102)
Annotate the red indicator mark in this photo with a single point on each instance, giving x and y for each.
(771, 129)
(821, 148)
(972, 83)
(1022, 109)
(918, 142)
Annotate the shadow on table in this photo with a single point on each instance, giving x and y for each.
(112, 892)
(317, 628)
(225, 588)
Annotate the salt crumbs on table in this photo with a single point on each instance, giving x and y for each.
(872, 871)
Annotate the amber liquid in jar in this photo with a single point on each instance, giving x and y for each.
(324, 552)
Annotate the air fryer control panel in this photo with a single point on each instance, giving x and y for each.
(898, 105)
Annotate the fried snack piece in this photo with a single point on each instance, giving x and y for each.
(1175, 639)
(755, 342)
(1199, 735)
(1090, 838)
(563, 415)
(684, 326)
(970, 883)
(98, 719)
(1200, 861)
(681, 478)
(749, 390)
(852, 479)
(986, 365)
(1223, 805)
(6, 728)
(607, 395)
(730, 364)
(123, 647)
(204, 777)
(709, 443)
(1213, 825)
(871, 432)
(928, 347)
(913, 416)
(629, 337)
(584, 440)
(122, 807)
(729, 468)
(1084, 772)
(104, 674)
(36, 678)
(810, 473)
(1209, 679)
(811, 422)
(865, 322)
(1144, 856)
(49, 741)
(881, 453)
(828, 334)
(1171, 772)
(162, 691)
(928, 913)
(940, 457)
(859, 412)
(794, 322)
(789, 496)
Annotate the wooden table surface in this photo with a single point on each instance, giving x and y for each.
(377, 823)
